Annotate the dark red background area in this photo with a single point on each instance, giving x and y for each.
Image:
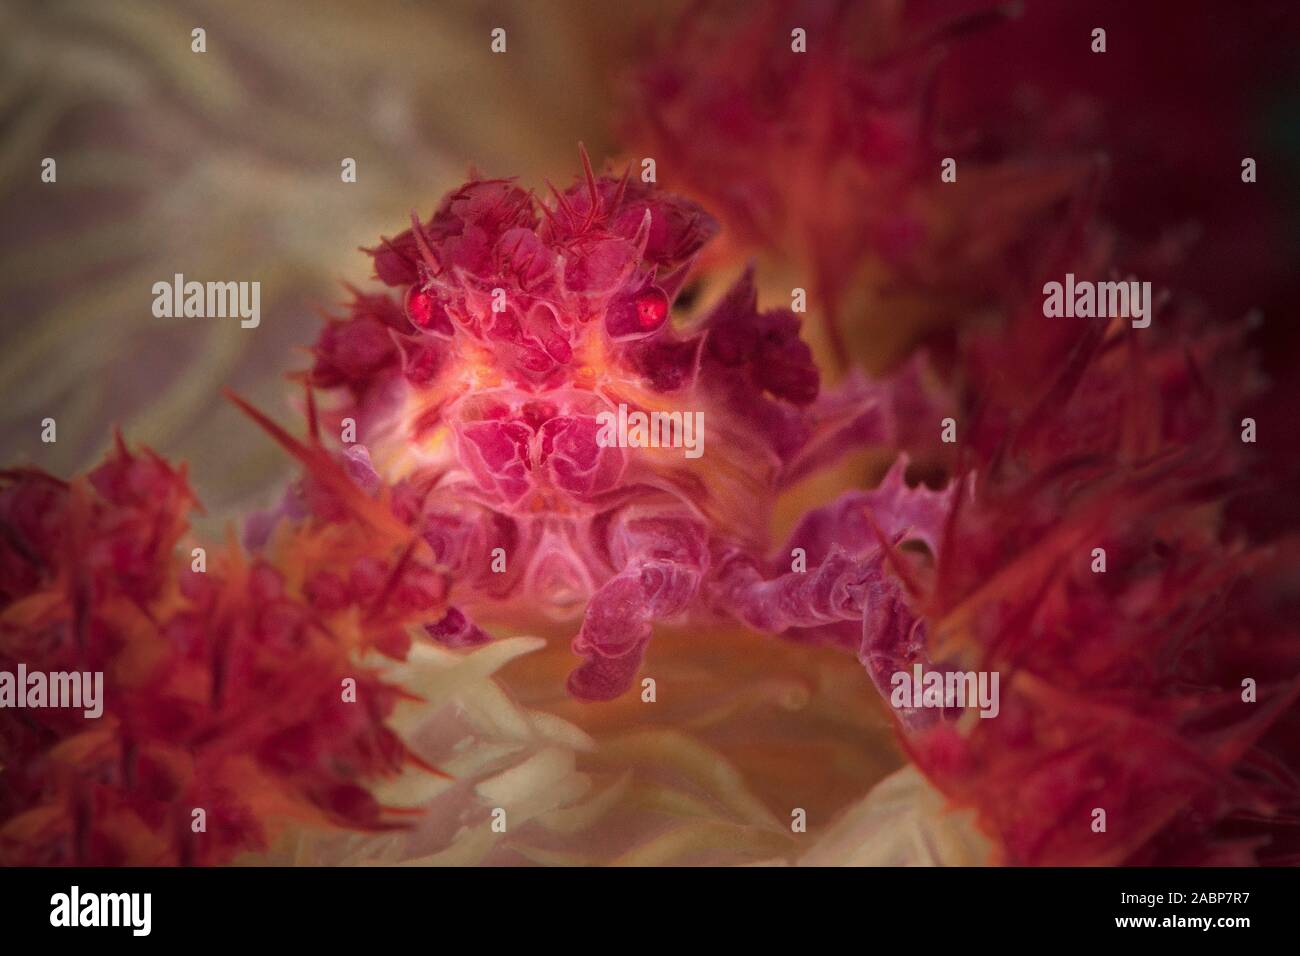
(1184, 92)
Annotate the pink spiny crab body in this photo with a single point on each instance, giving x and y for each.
(480, 383)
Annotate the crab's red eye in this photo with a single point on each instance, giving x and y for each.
(637, 315)
(651, 307)
(427, 314)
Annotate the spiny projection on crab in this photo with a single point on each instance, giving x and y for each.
(509, 328)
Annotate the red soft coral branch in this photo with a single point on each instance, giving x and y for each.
(224, 689)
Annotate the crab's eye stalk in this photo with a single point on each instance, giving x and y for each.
(636, 315)
(426, 313)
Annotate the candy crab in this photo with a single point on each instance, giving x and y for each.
(476, 385)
